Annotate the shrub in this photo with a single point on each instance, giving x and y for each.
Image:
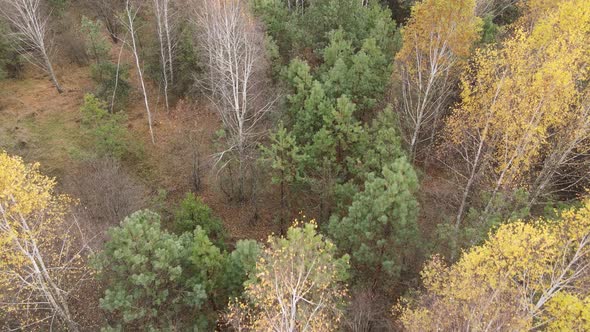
(107, 130)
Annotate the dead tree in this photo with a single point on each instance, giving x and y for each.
(31, 39)
(130, 15)
(234, 54)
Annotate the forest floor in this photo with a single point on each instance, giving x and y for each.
(43, 126)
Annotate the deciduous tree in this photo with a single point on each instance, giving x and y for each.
(163, 13)
(297, 284)
(31, 35)
(522, 114)
(436, 42)
(237, 71)
(40, 254)
(526, 276)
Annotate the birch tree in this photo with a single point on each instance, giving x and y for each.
(527, 276)
(436, 41)
(234, 54)
(297, 285)
(131, 11)
(29, 21)
(523, 113)
(40, 260)
(164, 24)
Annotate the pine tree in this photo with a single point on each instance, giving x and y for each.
(380, 230)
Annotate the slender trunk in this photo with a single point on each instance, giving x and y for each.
(282, 221)
(163, 41)
(168, 42)
(139, 71)
(117, 76)
(51, 73)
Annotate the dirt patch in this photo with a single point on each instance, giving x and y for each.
(43, 126)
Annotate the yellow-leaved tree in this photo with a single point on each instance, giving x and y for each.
(526, 276)
(40, 261)
(298, 285)
(524, 109)
(436, 42)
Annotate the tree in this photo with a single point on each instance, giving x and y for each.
(380, 230)
(131, 12)
(112, 80)
(40, 257)
(436, 41)
(10, 63)
(108, 11)
(165, 29)
(236, 78)
(309, 25)
(526, 276)
(297, 284)
(241, 265)
(31, 35)
(286, 160)
(193, 213)
(107, 130)
(535, 73)
(147, 272)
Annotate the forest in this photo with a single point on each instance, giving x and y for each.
(294, 165)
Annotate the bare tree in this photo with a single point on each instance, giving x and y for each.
(234, 53)
(164, 25)
(107, 10)
(493, 7)
(130, 15)
(569, 150)
(31, 37)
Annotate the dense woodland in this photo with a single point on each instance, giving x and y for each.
(294, 165)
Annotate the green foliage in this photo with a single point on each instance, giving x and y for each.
(284, 156)
(362, 75)
(107, 130)
(97, 46)
(146, 275)
(286, 160)
(309, 28)
(477, 225)
(110, 79)
(186, 62)
(193, 213)
(10, 61)
(156, 279)
(381, 145)
(490, 30)
(380, 230)
(241, 264)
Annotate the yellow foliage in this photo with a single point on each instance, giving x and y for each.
(515, 97)
(525, 275)
(437, 24)
(297, 284)
(31, 221)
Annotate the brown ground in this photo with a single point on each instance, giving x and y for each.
(43, 126)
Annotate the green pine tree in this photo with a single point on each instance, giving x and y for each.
(380, 231)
